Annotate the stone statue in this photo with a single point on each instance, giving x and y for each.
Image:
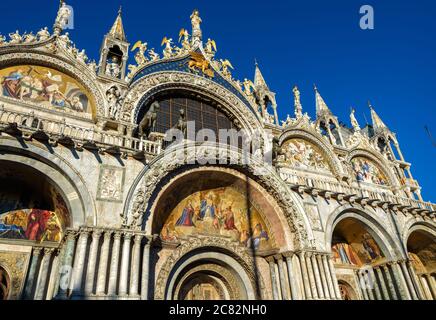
(297, 103)
(140, 57)
(2, 40)
(149, 120)
(113, 68)
(186, 45)
(15, 38)
(113, 96)
(182, 123)
(196, 30)
(225, 64)
(168, 51)
(276, 149)
(43, 34)
(65, 40)
(64, 14)
(353, 120)
(210, 48)
(29, 38)
(248, 85)
(137, 210)
(81, 56)
(153, 55)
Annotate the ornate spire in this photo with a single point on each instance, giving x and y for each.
(321, 106)
(117, 30)
(377, 122)
(259, 81)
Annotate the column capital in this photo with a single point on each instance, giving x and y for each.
(270, 259)
(288, 254)
(138, 238)
(71, 235)
(117, 235)
(127, 235)
(48, 251)
(107, 234)
(36, 251)
(96, 233)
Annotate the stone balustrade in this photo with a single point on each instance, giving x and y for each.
(40, 128)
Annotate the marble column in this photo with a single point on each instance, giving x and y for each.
(390, 282)
(125, 259)
(272, 271)
(279, 285)
(382, 283)
(31, 275)
(322, 273)
(43, 273)
(415, 280)
(291, 277)
(334, 279)
(362, 285)
(376, 285)
(304, 271)
(426, 287)
(284, 283)
(52, 282)
(311, 274)
(65, 270)
(409, 282)
(401, 282)
(113, 273)
(136, 259)
(369, 284)
(431, 285)
(102, 266)
(328, 276)
(317, 276)
(92, 261)
(145, 271)
(298, 276)
(79, 262)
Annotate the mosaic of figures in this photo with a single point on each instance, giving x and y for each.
(45, 87)
(218, 212)
(367, 171)
(425, 260)
(363, 250)
(304, 155)
(34, 223)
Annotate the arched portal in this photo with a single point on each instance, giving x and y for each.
(31, 207)
(421, 248)
(5, 284)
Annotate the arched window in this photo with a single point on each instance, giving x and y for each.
(204, 112)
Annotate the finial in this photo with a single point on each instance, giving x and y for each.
(315, 88)
(255, 62)
(120, 10)
(369, 105)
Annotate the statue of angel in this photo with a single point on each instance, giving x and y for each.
(297, 102)
(15, 38)
(2, 39)
(43, 34)
(153, 55)
(248, 87)
(29, 38)
(168, 51)
(140, 57)
(210, 48)
(65, 40)
(184, 38)
(225, 64)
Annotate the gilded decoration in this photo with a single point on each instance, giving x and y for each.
(45, 87)
(218, 212)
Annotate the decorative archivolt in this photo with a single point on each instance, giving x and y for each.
(377, 160)
(179, 80)
(80, 73)
(239, 253)
(315, 139)
(142, 194)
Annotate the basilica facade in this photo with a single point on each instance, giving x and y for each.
(97, 202)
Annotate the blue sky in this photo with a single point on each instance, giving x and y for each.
(295, 42)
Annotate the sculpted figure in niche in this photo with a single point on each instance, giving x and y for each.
(113, 96)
